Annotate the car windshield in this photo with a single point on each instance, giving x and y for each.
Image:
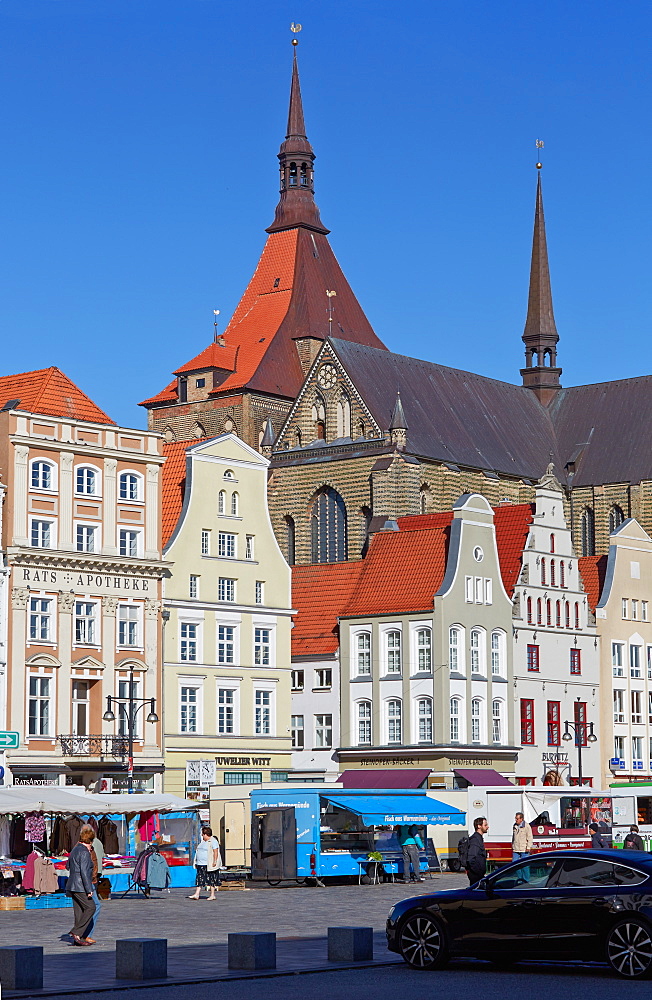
(533, 874)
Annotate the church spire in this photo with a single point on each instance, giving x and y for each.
(296, 205)
(540, 335)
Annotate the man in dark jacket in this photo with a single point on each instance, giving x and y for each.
(632, 841)
(597, 840)
(80, 886)
(476, 858)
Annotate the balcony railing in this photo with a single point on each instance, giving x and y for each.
(94, 746)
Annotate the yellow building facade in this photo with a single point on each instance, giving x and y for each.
(227, 611)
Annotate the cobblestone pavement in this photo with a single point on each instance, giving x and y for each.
(292, 912)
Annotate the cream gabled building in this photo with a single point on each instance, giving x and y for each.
(81, 536)
(228, 609)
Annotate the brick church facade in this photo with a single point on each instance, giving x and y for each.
(358, 435)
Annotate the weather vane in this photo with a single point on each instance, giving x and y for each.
(295, 28)
(539, 145)
(216, 313)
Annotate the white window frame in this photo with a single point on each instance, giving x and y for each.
(226, 643)
(636, 706)
(138, 619)
(459, 666)
(227, 545)
(618, 705)
(389, 651)
(620, 747)
(137, 532)
(205, 544)
(469, 595)
(294, 678)
(298, 727)
(259, 595)
(52, 532)
(229, 587)
(221, 503)
(497, 717)
(139, 498)
(618, 659)
(419, 648)
(49, 613)
(480, 666)
(234, 504)
(263, 645)
(193, 587)
(234, 689)
(54, 469)
(488, 590)
(363, 720)
(498, 653)
(637, 748)
(195, 684)
(423, 717)
(271, 691)
(51, 700)
(323, 727)
(249, 546)
(92, 622)
(356, 653)
(319, 683)
(456, 710)
(476, 720)
(390, 721)
(76, 701)
(635, 670)
(88, 527)
(97, 490)
(193, 643)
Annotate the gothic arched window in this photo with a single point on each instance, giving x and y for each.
(343, 416)
(616, 517)
(290, 539)
(319, 418)
(328, 523)
(588, 532)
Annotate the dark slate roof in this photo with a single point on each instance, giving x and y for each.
(613, 421)
(455, 416)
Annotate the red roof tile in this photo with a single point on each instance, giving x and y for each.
(173, 485)
(512, 523)
(50, 392)
(593, 570)
(320, 594)
(214, 356)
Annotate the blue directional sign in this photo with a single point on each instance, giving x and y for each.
(9, 741)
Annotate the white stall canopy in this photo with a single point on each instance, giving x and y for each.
(55, 799)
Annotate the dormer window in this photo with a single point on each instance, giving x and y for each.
(182, 389)
(200, 383)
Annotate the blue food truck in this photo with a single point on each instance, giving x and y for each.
(308, 832)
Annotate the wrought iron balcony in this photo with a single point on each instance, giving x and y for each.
(94, 746)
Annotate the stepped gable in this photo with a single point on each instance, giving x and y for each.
(455, 416)
(50, 392)
(320, 595)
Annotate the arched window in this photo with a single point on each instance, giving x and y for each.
(477, 651)
(229, 474)
(567, 614)
(424, 718)
(319, 418)
(424, 649)
(562, 574)
(553, 573)
(304, 175)
(497, 720)
(616, 517)
(130, 486)
(363, 654)
(548, 612)
(588, 532)
(86, 480)
(235, 500)
(393, 651)
(497, 653)
(394, 721)
(290, 540)
(293, 175)
(297, 438)
(364, 723)
(577, 615)
(455, 660)
(42, 477)
(529, 611)
(343, 416)
(552, 543)
(543, 572)
(539, 617)
(221, 502)
(558, 614)
(361, 429)
(328, 524)
(475, 720)
(455, 720)
(425, 499)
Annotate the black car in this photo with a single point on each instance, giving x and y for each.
(565, 905)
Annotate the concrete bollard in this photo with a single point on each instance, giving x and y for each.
(252, 950)
(21, 968)
(141, 958)
(350, 944)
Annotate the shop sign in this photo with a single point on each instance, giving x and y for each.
(389, 761)
(242, 762)
(470, 762)
(36, 779)
(97, 581)
(554, 758)
(141, 782)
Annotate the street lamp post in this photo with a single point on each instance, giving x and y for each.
(134, 705)
(583, 730)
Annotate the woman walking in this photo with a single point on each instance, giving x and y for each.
(207, 863)
(80, 886)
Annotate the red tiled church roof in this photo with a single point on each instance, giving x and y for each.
(593, 570)
(50, 392)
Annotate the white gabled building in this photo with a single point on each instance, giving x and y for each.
(556, 653)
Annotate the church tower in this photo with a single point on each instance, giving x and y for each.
(251, 374)
(540, 336)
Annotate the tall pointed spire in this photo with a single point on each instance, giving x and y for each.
(540, 335)
(296, 205)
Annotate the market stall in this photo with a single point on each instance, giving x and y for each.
(42, 823)
(305, 832)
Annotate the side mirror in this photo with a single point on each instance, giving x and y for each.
(485, 885)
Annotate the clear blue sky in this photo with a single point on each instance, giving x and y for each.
(138, 172)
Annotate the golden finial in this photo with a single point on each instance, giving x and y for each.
(539, 145)
(295, 28)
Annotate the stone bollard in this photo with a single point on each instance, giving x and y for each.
(252, 950)
(141, 958)
(350, 944)
(21, 968)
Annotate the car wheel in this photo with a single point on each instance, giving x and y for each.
(629, 948)
(422, 942)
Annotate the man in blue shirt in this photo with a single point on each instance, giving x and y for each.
(411, 844)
